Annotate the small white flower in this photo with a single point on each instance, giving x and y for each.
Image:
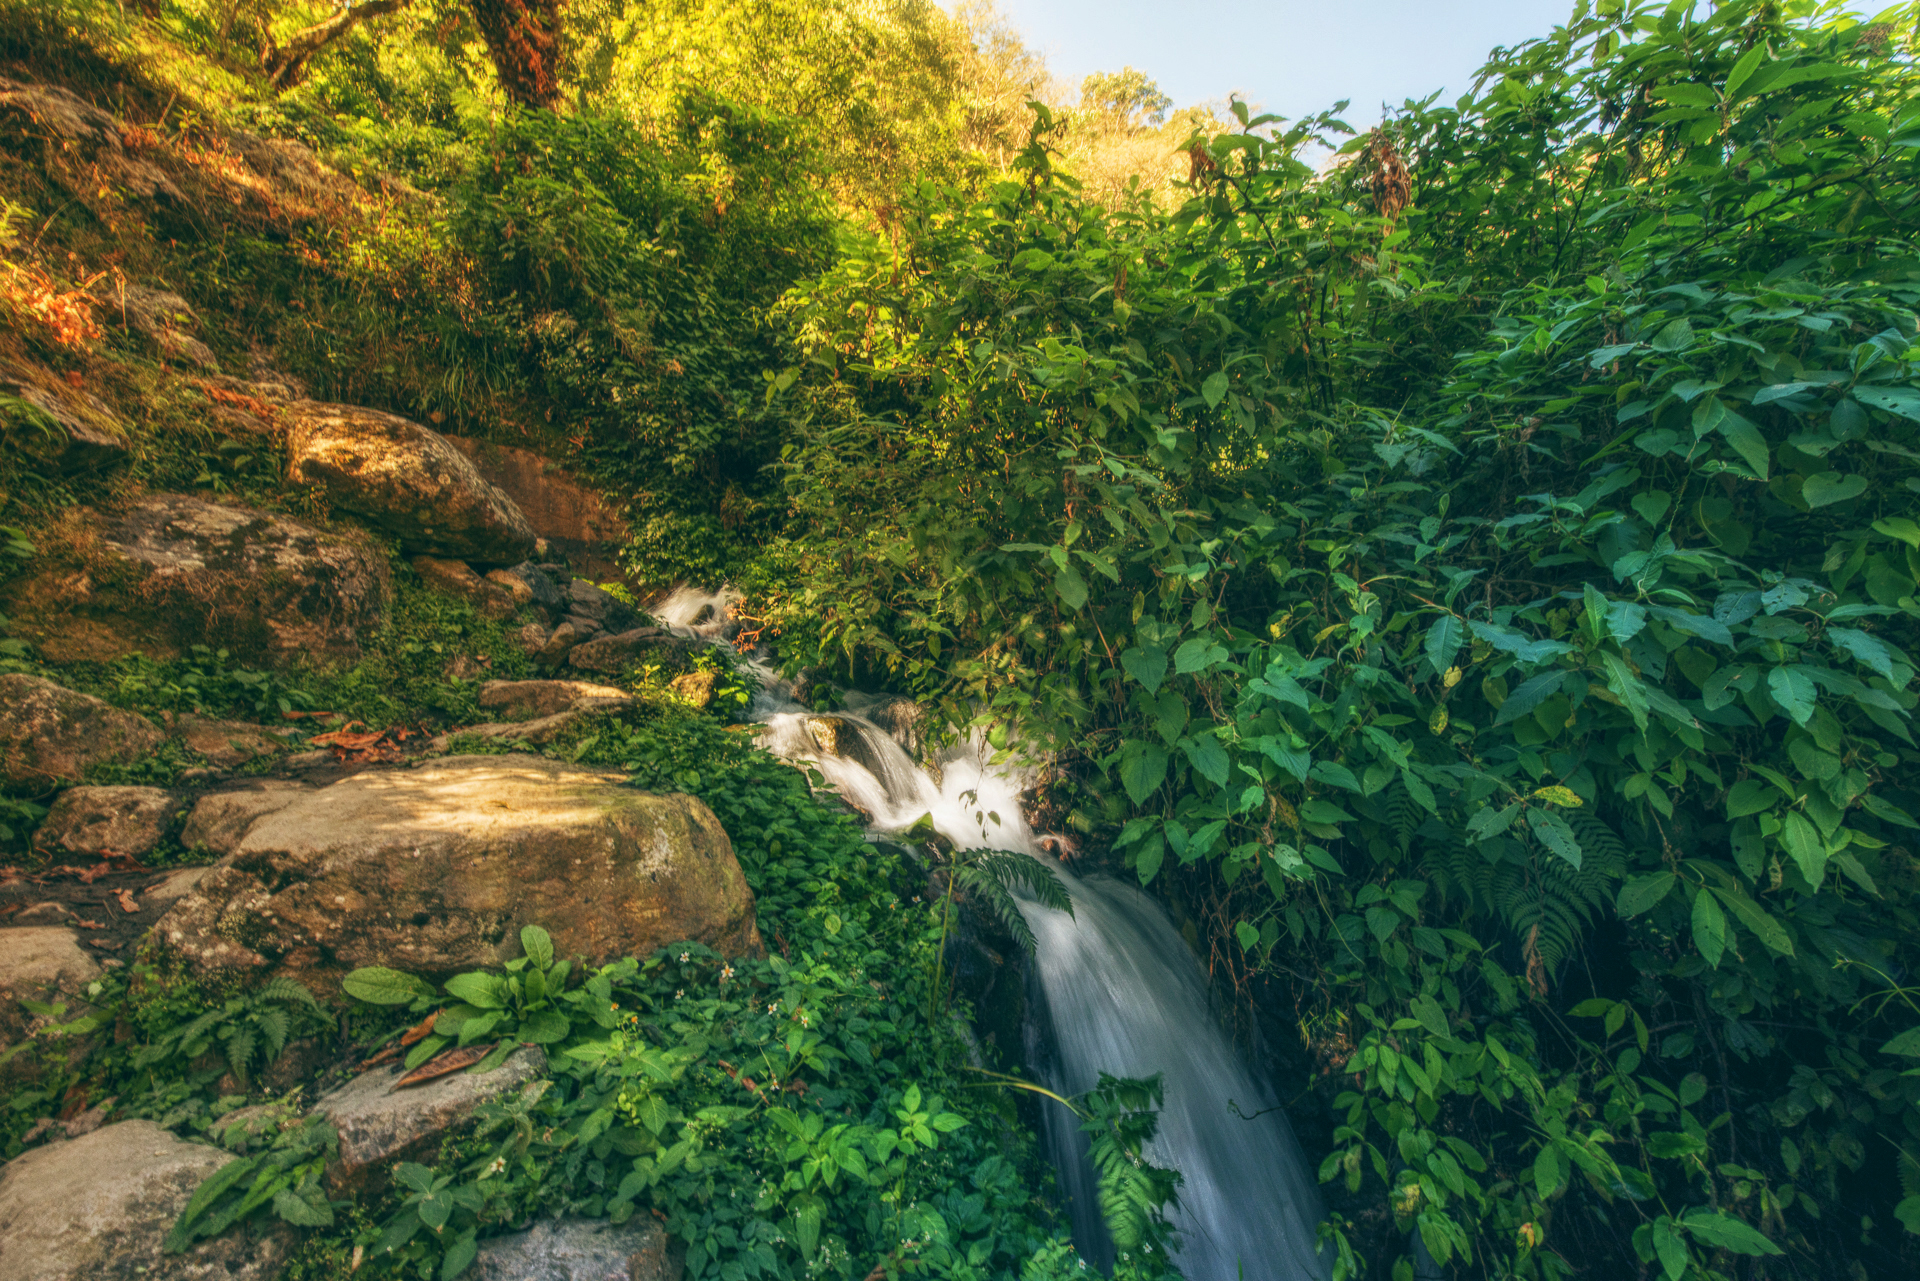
(685, 955)
(677, 995)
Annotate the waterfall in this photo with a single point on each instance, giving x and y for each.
(1119, 990)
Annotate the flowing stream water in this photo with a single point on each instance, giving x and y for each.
(1117, 988)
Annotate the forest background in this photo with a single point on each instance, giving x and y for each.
(1471, 581)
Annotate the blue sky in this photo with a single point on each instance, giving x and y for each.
(1290, 56)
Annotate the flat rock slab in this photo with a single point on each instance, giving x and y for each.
(526, 700)
(49, 733)
(96, 1208)
(407, 480)
(91, 821)
(228, 743)
(380, 1125)
(219, 819)
(578, 1250)
(434, 869)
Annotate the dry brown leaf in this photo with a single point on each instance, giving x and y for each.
(128, 903)
(445, 1063)
(419, 1031)
(89, 925)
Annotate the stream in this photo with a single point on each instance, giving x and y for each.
(1116, 989)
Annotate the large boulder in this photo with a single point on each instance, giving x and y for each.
(578, 1250)
(569, 514)
(173, 571)
(434, 870)
(49, 732)
(379, 1125)
(97, 1209)
(407, 480)
(71, 431)
(91, 821)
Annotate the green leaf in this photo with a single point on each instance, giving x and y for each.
(1530, 695)
(459, 1257)
(1209, 757)
(1750, 796)
(1737, 78)
(1444, 639)
(477, 989)
(217, 1185)
(1746, 441)
(1907, 1044)
(1794, 690)
(1675, 335)
(1727, 1233)
(1246, 934)
(1801, 839)
(378, 985)
(1142, 770)
(547, 1027)
(1869, 650)
(1214, 388)
(1903, 401)
(1553, 832)
(1899, 527)
(538, 945)
(1071, 586)
(1642, 893)
(1431, 1016)
(1670, 1249)
(1147, 665)
(1197, 654)
(301, 1212)
(1750, 914)
(1831, 487)
(1709, 928)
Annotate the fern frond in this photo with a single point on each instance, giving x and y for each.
(1010, 869)
(273, 1025)
(993, 897)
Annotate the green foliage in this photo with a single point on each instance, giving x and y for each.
(285, 1179)
(1485, 575)
(243, 1033)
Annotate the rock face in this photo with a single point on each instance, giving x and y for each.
(611, 653)
(174, 571)
(49, 732)
(91, 821)
(226, 743)
(572, 517)
(379, 1125)
(456, 578)
(97, 1208)
(407, 480)
(434, 870)
(578, 1250)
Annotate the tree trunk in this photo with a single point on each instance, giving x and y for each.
(286, 66)
(524, 38)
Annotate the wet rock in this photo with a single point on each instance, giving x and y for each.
(515, 586)
(904, 720)
(97, 1208)
(434, 869)
(584, 600)
(380, 1126)
(76, 431)
(613, 653)
(695, 687)
(227, 744)
(176, 885)
(523, 700)
(407, 480)
(531, 639)
(456, 578)
(578, 1250)
(50, 733)
(174, 571)
(92, 821)
(37, 963)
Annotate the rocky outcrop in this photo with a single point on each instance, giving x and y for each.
(695, 687)
(571, 516)
(50, 733)
(380, 1125)
(91, 821)
(578, 1250)
(168, 321)
(70, 430)
(618, 652)
(526, 700)
(219, 820)
(434, 870)
(407, 480)
(173, 571)
(97, 1208)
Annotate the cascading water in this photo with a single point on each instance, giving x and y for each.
(1119, 990)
